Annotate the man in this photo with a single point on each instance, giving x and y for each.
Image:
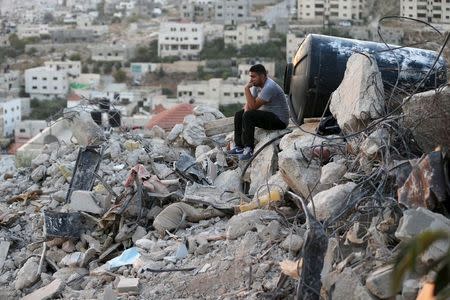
(266, 108)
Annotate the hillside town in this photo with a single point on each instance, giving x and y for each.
(117, 126)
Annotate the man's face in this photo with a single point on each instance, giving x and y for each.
(257, 79)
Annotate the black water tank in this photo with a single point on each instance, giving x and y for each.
(114, 118)
(319, 64)
(104, 104)
(97, 117)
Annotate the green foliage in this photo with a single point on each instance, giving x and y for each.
(167, 92)
(75, 57)
(411, 252)
(120, 76)
(271, 49)
(107, 67)
(42, 110)
(231, 109)
(85, 69)
(32, 51)
(147, 53)
(216, 49)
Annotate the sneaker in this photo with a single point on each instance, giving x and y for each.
(236, 151)
(246, 154)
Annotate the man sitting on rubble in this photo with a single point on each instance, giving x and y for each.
(266, 108)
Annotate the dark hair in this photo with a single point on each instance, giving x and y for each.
(259, 69)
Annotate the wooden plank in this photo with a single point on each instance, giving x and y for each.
(4, 248)
(219, 126)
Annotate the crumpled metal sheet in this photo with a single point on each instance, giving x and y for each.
(426, 184)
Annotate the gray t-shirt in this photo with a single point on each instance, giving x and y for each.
(273, 95)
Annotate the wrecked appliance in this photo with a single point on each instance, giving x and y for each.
(319, 65)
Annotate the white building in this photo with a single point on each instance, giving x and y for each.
(112, 53)
(12, 115)
(293, 41)
(184, 40)
(330, 10)
(197, 10)
(27, 129)
(27, 31)
(437, 11)
(46, 83)
(232, 12)
(245, 34)
(10, 83)
(213, 92)
(72, 68)
(213, 31)
(84, 20)
(243, 69)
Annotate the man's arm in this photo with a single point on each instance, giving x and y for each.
(252, 102)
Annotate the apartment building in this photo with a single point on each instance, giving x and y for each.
(184, 40)
(10, 83)
(197, 10)
(111, 53)
(232, 12)
(11, 116)
(72, 68)
(323, 11)
(245, 34)
(32, 30)
(435, 11)
(293, 41)
(213, 92)
(46, 82)
(243, 68)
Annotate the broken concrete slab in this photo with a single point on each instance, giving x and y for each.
(229, 180)
(262, 168)
(127, 285)
(292, 242)
(430, 126)
(210, 195)
(194, 133)
(301, 176)
(425, 185)
(377, 140)
(28, 274)
(4, 248)
(360, 96)
(47, 292)
(39, 160)
(38, 174)
(415, 221)
(240, 224)
(175, 132)
(85, 130)
(328, 203)
(346, 285)
(379, 282)
(333, 172)
(87, 201)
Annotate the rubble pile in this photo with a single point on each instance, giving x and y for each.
(164, 215)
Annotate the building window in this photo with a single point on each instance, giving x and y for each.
(22, 130)
(34, 78)
(44, 78)
(34, 87)
(44, 87)
(55, 78)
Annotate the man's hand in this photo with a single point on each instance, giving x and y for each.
(245, 107)
(249, 85)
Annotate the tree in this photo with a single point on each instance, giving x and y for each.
(48, 18)
(216, 49)
(75, 57)
(120, 76)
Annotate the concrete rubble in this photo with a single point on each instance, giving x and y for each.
(171, 215)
